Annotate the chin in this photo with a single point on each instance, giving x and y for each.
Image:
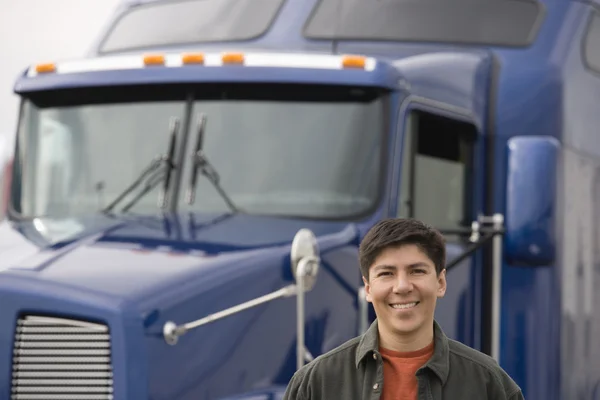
(407, 327)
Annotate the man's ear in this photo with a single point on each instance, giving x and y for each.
(367, 290)
(441, 283)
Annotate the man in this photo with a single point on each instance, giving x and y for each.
(404, 354)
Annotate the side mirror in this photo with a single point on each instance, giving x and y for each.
(305, 250)
(531, 200)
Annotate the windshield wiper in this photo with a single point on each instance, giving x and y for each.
(200, 162)
(158, 171)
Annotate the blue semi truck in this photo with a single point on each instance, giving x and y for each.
(184, 206)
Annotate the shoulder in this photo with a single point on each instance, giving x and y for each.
(340, 358)
(470, 362)
(331, 367)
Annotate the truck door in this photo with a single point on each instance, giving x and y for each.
(438, 185)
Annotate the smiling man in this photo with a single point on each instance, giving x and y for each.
(404, 355)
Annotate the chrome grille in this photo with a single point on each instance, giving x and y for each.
(64, 359)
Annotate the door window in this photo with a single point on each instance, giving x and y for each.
(437, 168)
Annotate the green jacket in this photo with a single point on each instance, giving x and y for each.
(354, 371)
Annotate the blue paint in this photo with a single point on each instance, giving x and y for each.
(126, 287)
(535, 106)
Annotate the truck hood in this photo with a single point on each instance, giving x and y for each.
(133, 257)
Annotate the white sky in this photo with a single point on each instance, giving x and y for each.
(34, 31)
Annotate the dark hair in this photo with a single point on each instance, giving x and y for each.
(395, 232)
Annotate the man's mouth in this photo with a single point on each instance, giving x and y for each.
(404, 306)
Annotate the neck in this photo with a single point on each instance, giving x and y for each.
(403, 342)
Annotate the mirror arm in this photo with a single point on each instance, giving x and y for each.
(307, 270)
(474, 247)
(495, 233)
(172, 331)
(479, 235)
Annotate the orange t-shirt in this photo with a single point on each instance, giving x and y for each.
(399, 369)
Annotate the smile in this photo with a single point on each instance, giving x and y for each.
(404, 306)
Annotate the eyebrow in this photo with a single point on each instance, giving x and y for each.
(385, 267)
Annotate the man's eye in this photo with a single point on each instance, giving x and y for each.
(419, 271)
(384, 273)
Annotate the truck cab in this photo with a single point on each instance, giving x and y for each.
(166, 191)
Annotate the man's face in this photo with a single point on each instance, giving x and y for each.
(403, 287)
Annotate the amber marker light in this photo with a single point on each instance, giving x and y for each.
(233, 58)
(358, 62)
(192, 58)
(45, 68)
(154, 59)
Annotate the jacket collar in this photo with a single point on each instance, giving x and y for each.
(369, 343)
(439, 362)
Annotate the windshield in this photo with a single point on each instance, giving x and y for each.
(77, 158)
(281, 150)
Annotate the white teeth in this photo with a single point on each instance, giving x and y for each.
(403, 306)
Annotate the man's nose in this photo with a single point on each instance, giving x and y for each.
(403, 284)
